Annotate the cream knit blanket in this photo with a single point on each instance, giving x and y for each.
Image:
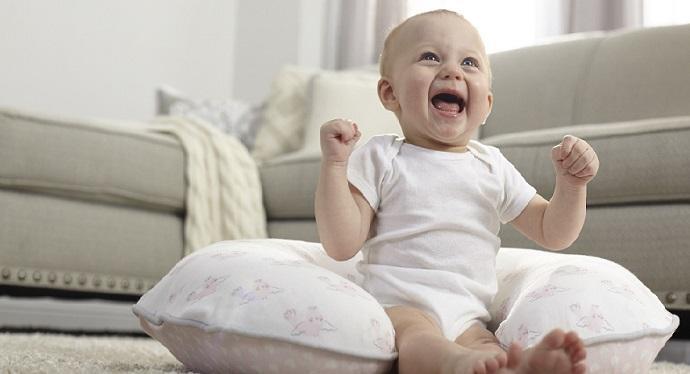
(223, 195)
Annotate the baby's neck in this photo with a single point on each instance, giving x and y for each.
(440, 147)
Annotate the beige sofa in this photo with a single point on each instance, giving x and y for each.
(95, 209)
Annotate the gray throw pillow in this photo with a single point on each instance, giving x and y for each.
(234, 117)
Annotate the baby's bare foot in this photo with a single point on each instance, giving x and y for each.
(470, 361)
(557, 353)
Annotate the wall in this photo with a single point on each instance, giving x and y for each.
(103, 58)
(272, 33)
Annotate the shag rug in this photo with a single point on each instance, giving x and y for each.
(56, 353)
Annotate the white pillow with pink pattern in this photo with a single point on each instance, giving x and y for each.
(265, 306)
(622, 323)
(283, 306)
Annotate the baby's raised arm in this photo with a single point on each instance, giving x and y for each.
(557, 223)
(343, 216)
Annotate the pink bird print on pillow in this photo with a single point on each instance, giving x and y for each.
(342, 286)
(526, 336)
(209, 287)
(621, 289)
(546, 291)
(593, 321)
(383, 339)
(260, 291)
(310, 323)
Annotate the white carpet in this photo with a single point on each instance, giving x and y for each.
(54, 353)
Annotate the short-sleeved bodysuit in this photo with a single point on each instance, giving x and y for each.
(435, 238)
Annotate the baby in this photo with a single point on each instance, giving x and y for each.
(426, 209)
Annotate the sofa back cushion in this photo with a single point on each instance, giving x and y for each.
(621, 76)
(525, 96)
(638, 74)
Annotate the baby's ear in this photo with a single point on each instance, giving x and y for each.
(491, 101)
(490, 98)
(387, 96)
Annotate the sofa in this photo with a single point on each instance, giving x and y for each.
(92, 211)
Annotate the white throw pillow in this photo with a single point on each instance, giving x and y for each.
(348, 94)
(622, 323)
(286, 113)
(264, 306)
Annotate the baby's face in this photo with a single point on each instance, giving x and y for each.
(438, 82)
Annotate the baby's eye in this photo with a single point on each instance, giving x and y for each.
(429, 56)
(470, 61)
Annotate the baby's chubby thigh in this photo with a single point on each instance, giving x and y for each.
(410, 319)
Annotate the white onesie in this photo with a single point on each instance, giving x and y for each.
(435, 234)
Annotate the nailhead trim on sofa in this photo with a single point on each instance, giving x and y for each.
(675, 300)
(80, 281)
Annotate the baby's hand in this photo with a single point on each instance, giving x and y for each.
(575, 161)
(338, 138)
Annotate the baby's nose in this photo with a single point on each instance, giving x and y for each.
(452, 73)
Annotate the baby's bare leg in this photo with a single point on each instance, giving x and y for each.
(422, 348)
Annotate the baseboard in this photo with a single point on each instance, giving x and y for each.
(676, 351)
(683, 330)
(67, 315)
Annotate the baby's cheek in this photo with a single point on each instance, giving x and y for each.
(414, 97)
(417, 87)
(479, 93)
(478, 85)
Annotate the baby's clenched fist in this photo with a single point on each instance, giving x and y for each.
(338, 139)
(575, 161)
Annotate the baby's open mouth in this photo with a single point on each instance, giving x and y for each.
(448, 103)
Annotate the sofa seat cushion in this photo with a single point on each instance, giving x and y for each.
(641, 162)
(289, 183)
(644, 161)
(89, 159)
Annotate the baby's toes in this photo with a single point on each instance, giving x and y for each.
(572, 339)
(491, 365)
(486, 366)
(580, 368)
(479, 368)
(553, 340)
(514, 356)
(578, 354)
(575, 347)
(502, 359)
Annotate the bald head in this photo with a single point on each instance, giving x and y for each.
(395, 40)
